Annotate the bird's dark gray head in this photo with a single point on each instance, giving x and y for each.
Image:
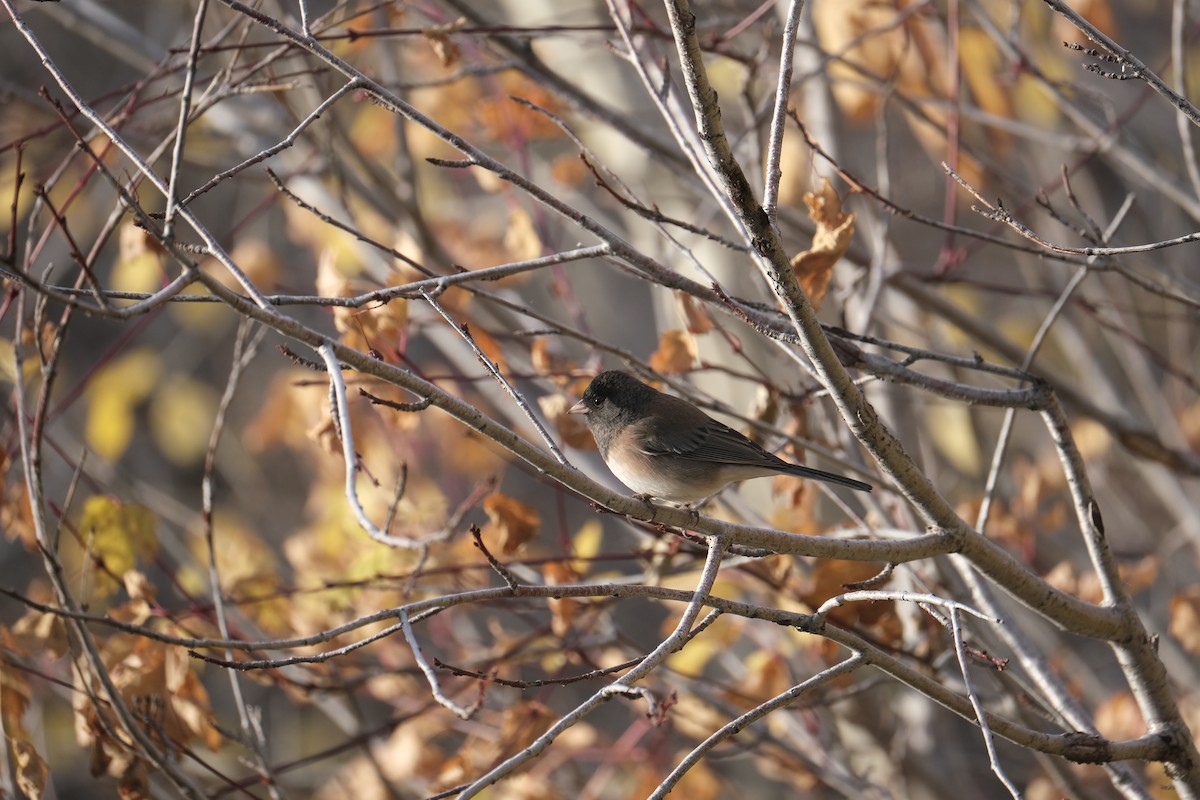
(614, 399)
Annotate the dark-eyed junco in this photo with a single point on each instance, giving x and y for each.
(663, 446)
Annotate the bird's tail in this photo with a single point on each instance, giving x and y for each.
(828, 477)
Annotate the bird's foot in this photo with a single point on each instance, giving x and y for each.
(648, 500)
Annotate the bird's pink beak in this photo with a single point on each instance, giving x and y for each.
(578, 408)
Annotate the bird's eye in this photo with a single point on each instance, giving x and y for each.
(595, 400)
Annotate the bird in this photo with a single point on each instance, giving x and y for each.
(665, 447)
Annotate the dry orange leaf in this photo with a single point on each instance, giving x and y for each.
(255, 258)
(835, 230)
(16, 517)
(698, 319)
(512, 523)
(1185, 619)
(569, 170)
(829, 579)
(377, 326)
(159, 680)
(767, 675)
(1096, 12)
(865, 35)
(444, 48)
(562, 609)
(1119, 717)
(502, 119)
(676, 353)
(548, 359)
(31, 769)
(36, 632)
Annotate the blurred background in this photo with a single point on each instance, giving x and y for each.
(887, 244)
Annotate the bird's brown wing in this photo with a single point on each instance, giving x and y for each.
(686, 432)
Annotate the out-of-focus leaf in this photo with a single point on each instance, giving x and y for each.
(1092, 439)
(446, 50)
(521, 238)
(1096, 12)
(257, 261)
(766, 676)
(36, 632)
(571, 428)
(181, 415)
(16, 515)
(113, 395)
(549, 360)
(676, 353)
(1119, 717)
(14, 696)
(950, 429)
(982, 66)
(698, 783)
(117, 535)
(569, 170)
(287, 412)
(562, 609)
(1185, 619)
(376, 326)
(698, 319)
(512, 523)
(159, 681)
(586, 544)
(829, 579)
(31, 769)
(503, 120)
(490, 347)
(1189, 422)
(373, 132)
(520, 724)
(139, 266)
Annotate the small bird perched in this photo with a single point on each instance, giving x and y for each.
(663, 446)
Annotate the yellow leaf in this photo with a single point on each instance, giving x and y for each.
(676, 353)
(139, 266)
(694, 657)
(200, 316)
(110, 425)
(181, 418)
(950, 429)
(117, 536)
(586, 544)
(1092, 439)
(113, 395)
